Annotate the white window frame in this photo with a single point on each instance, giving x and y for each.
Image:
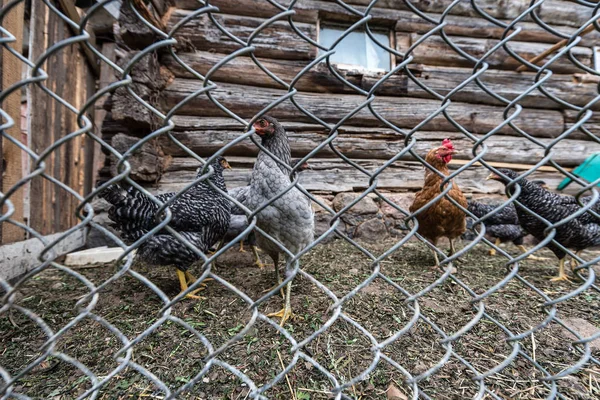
(354, 67)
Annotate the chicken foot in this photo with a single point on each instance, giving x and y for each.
(492, 251)
(257, 261)
(184, 279)
(286, 312)
(562, 276)
(531, 256)
(242, 247)
(435, 257)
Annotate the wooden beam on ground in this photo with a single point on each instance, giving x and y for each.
(12, 154)
(18, 258)
(71, 11)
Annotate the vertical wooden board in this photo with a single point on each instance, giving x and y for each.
(89, 157)
(38, 108)
(12, 154)
(1, 140)
(68, 164)
(107, 76)
(61, 85)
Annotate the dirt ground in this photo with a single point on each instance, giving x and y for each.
(175, 355)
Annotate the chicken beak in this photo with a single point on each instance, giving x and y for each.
(225, 164)
(491, 176)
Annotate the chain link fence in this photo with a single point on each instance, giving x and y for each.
(503, 361)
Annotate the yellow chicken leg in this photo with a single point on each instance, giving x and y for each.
(191, 279)
(286, 312)
(437, 261)
(531, 257)
(257, 261)
(184, 285)
(562, 276)
(492, 251)
(574, 263)
(242, 247)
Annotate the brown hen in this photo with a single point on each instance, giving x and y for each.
(442, 218)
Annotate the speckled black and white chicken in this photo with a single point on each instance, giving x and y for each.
(239, 222)
(201, 215)
(578, 234)
(289, 219)
(503, 226)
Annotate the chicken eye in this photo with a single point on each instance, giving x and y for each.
(262, 123)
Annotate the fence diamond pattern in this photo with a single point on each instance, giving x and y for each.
(340, 386)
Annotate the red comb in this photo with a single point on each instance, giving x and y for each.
(447, 143)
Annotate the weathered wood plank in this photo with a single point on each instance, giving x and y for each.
(373, 143)
(557, 12)
(396, 14)
(107, 76)
(334, 176)
(434, 51)
(471, 26)
(592, 124)
(38, 107)
(11, 154)
(57, 72)
(404, 112)
(71, 11)
(250, 8)
(2, 166)
(509, 84)
(278, 40)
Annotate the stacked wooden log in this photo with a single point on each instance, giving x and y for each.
(245, 89)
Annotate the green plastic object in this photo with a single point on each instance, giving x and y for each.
(589, 170)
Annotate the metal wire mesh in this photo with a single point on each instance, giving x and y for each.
(378, 350)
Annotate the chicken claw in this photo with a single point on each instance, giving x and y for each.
(257, 261)
(562, 276)
(284, 314)
(183, 283)
(492, 251)
(536, 258)
(242, 247)
(531, 256)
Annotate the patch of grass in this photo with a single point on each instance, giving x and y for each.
(176, 356)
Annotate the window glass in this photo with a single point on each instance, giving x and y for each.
(356, 48)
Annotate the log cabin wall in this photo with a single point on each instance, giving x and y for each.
(244, 89)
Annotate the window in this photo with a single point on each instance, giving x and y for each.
(356, 48)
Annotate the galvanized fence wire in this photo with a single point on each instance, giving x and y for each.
(167, 43)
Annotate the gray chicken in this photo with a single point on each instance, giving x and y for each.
(238, 216)
(289, 219)
(201, 215)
